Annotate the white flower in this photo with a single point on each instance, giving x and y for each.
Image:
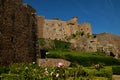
(57, 75)
(26, 68)
(45, 69)
(33, 62)
(51, 73)
(47, 53)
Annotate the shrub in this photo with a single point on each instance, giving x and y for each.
(116, 70)
(73, 65)
(85, 59)
(61, 44)
(104, 73)
(22, 71)
(41, 41)
(4, 70)
(11, 77)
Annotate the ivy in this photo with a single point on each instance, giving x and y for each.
(61, 44)
(42, 41)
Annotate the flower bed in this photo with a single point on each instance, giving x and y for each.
(32, 71)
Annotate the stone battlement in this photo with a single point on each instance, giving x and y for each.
(58, 29)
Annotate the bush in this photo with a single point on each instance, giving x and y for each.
(116, 70)
(42, 41)
(11, 77)
(73, 65)
(104, 73)
(4, 70)
(61, 44)
(22, 71)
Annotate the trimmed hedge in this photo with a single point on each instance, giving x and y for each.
(116, 70)
(85, 59)
(89, 60)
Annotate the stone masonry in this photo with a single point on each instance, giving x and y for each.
(18, 32)
(57, 29)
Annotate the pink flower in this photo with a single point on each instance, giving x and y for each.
(60, 64)
(46, 71)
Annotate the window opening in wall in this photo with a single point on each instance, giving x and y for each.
(60, 24)
(52, 24)
(81, 29)
(5, 18)
(0, 32)
(94, 36)
(11, 39)
(82, 33)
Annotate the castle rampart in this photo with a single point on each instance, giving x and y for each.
(57, 29)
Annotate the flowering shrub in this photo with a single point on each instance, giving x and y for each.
(32, 71)
(98, 66)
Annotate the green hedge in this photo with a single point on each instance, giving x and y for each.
(89, 60)
(116, 70)
(85, 59)
(4, 70)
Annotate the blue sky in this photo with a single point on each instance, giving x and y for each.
(103, 15)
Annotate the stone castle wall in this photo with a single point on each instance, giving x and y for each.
(57, 29)
(18, 32)
(40, 23)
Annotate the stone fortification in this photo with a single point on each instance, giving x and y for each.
(61, 30)
(18, 32)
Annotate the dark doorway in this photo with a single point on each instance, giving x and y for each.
(43, 53)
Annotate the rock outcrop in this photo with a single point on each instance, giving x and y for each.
(18, 32)
(109, 43)
(105, 42)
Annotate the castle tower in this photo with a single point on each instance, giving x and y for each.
(73, 21)
(18, 32)
(85, 28)
(61, 30)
